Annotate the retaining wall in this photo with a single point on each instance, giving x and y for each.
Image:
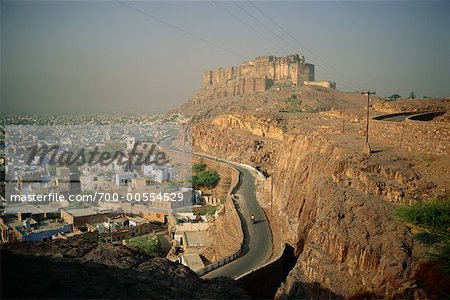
(425, 137)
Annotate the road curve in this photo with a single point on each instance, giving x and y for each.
(257, 247)
(402, 116)
(257, 237)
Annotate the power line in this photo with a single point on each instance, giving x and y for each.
(342, 75)
(319, 66)
(270, 30)
(193, 35)
(182, 30)
(247, 24)
(265, 26)
(275, 34)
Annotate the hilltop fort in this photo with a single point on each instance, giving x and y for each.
(262, 73)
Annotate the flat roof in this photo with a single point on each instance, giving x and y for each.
(193, 261)
(197, 238)
(43, 225)
(81, 212)
(14, 209)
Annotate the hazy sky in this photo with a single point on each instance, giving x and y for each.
(101, 56)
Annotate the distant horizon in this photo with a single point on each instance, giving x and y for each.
(132, 56)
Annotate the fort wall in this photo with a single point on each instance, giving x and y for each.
(325, 84)
(271, 68)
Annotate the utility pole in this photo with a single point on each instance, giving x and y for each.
(332, 103)
(271, 195)
(367, 146)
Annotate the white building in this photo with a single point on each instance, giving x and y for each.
(123, 178)
(147, 170)
(157, 173)
(161, 173)
(130, 142)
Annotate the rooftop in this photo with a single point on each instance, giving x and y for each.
(81, 212)
(196, 238)
(193, 261)
(41, 226)
(34, 209)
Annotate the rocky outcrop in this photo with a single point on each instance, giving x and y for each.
(240, 138)
(262, 126)
(79, 268)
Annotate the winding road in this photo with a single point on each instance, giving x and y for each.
(257, 247)
(257, 237)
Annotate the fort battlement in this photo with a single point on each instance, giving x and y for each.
(261, 73)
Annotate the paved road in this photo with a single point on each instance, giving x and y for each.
(398, 118)
(258, 238)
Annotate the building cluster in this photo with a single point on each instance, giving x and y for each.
(38, 159)
(123, 211)
(189, 239)
(33, 224)
(115, 220)
(47, 223)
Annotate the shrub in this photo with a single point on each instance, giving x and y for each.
(206, 210)
(147, 244)
(433, 222)
(293, 104)
(433, 215)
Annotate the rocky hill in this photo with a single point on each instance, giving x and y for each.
(81, 268)
(208, 102)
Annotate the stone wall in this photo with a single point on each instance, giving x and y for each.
(325, 84)
(426, 137)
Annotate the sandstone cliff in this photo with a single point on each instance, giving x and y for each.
(330, 202)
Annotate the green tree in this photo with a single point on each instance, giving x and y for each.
(394, 97)
(197, 168)
(432, 218)
(412, 95)
(206, 179)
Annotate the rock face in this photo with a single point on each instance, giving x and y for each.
(330, 208)
(239, 138)
(330, 202)
(79, 268)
